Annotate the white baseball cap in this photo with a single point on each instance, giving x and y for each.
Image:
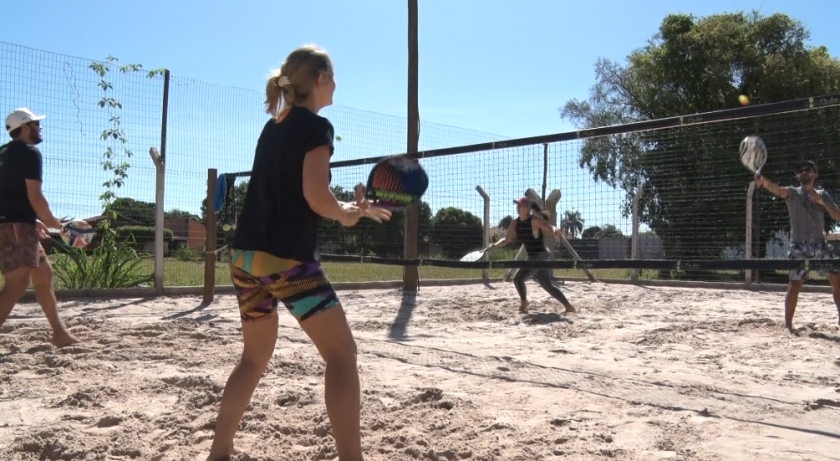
(20, 117)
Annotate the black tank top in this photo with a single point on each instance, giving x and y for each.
(525, 234)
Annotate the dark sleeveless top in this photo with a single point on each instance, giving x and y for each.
(525, 234)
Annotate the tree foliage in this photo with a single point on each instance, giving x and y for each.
(369, 237)
(597, 232)
(688, 174)
(504, 223)
(457, 231)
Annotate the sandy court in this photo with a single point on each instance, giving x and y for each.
(641, 373)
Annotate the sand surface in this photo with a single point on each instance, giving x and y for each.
(638, 374)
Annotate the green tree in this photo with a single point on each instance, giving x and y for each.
(608, 231)
(178, 213)
(457, 231)
(697, 65)
(504, 223)
(388, 237)
(135, 212)
(591, 232)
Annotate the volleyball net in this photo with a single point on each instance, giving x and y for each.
(663, 199)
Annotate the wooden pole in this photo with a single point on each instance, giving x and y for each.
(210, 226)
(634, 238)
(411, 276)
(545, 171)
(160, 217)
(159, 158)
(485, 273)
(748, 244)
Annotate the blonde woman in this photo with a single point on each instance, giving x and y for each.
(274, 253)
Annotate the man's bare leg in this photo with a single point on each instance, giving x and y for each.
(834, 280)
(42, 282)
(791, 300)
(15, 284)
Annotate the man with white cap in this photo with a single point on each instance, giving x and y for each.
(22, 202)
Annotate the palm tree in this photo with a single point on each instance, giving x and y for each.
(572, 222)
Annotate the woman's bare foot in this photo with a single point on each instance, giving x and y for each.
(63, 338)
(523, 308)
(570, 308)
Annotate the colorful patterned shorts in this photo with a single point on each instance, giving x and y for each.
(260, 280)
(20, 246)
(807, 250)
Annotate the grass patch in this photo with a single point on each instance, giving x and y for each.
(188, 273)
(191, 273)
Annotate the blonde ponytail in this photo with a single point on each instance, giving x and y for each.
(273, 93)
(292, 83)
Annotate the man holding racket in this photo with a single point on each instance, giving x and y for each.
(22, 258)
(807, 208)
(529, 228)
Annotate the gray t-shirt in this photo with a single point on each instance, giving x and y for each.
(807, 219)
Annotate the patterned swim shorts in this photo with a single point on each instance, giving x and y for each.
(20, 246)
(808, 250)
(260, 280)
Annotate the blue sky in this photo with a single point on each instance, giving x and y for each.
(492, 69)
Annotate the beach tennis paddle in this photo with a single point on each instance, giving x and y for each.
(753, 153)
(76, 233)
(474, 256)
(396, 182)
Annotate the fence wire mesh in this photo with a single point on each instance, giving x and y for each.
(692, 201)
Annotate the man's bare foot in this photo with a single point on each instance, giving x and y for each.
(63, 339)
(523, 308)
(226, 457)
(570, 308)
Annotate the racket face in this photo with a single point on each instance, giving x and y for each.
(396, 182)
(474, 256)
(76, 233)
(753, 153)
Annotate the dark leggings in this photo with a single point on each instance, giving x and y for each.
(542, 276)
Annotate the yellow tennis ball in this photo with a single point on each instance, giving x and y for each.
(743, 99)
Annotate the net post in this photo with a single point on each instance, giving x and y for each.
(159, 158)
(210, 226)
(411, 276)
(551, 206)
(160, 217)
(749, 222)
(164, 115)
(485, 273)
(634, 239)
(545, 169)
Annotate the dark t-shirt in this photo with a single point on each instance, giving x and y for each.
(18, 162)
(276, 218)
(534, 244)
